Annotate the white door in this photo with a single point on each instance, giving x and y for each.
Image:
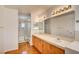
(11, 29)
(1, 40)
(1, 29)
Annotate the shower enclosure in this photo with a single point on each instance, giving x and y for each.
(24, 28)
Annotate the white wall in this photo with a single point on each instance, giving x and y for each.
(76, 23)
(10, 29)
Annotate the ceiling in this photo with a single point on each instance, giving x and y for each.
(30, 8)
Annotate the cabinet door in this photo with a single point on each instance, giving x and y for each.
(46, 48)
(59, 51)
(56, 50)
(51, 49)
(33, 40)
(37, 43)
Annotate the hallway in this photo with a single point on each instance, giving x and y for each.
(24, 48)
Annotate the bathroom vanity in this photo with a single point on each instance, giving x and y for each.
(47, 44)
(61, 24)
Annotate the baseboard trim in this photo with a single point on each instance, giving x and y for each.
(11, 51)
(22, 42)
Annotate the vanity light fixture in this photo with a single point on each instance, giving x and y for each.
(61, 10)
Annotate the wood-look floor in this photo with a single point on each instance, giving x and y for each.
(24, 47)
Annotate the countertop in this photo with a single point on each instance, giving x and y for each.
(74, 46)
(54, 40)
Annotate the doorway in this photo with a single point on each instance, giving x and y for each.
(24, 27)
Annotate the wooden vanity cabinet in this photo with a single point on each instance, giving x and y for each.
(37, 43)
(51, 49)
(56, 50)
(46, 48)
